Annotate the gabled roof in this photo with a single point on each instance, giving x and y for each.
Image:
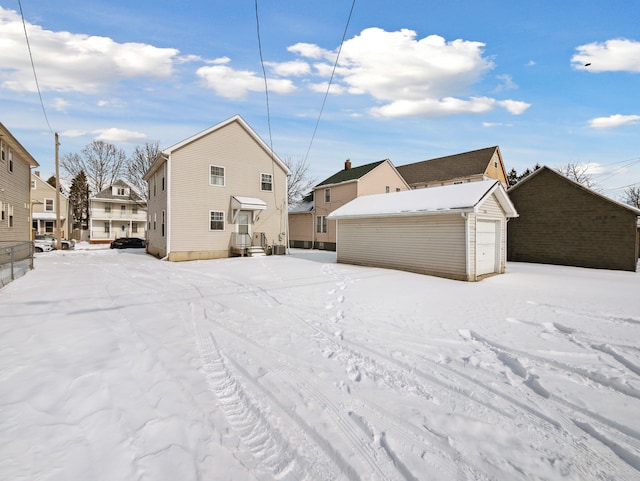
(17, 146)
(236, 118)
(456, 166)
(108, 192)
(433, 200)
(353, 173)
(544, 168)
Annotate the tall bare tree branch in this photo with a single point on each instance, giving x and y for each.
(299, 180)
(138, 164)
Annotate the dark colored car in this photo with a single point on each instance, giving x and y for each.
(127, 242)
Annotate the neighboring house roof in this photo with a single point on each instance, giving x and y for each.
(107, 194)
(236, 118)
(434, 200)
(466, 164)
(302, 208)
(350, 174)
(48, 185)
(544, 168)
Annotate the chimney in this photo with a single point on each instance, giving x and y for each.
(347, 164)
(37, 172)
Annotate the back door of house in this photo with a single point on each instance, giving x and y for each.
(243, 226)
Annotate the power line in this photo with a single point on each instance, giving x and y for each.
(33, 67)
(264, 76)
(326, 94)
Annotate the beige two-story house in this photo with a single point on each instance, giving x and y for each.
(473, 166)
(15, 188)
(44, 215)
(117, 211)
(309, 226)
(219, 193)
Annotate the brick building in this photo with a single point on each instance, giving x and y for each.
(563, 222)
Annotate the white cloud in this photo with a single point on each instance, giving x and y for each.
(507, 83)
(73, 133)
(310, 50)
(410, 76)
(294, 68)
(117, 135)
(73, 62)
(613, 121)
(60, 104)
(322, 88)
(234, 84)
(616, 55)
(495, 124)
(592, 168)
(516, 107)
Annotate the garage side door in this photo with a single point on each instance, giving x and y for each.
(486, 246)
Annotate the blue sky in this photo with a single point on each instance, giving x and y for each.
(415, 80)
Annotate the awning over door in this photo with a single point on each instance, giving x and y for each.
(247, 203)
(46, 216)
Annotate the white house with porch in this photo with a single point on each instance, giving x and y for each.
(117, 211)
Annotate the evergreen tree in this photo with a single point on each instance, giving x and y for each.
(79, 199)
(512, 177)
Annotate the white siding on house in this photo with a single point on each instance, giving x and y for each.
(426, 244)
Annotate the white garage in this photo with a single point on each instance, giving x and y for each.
(454, 231)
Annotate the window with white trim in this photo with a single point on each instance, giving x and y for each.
(10, 214)
(48, 227)
(321, 224)
(107, 227)
(266, 182)
(10, 164)
(163, 220)
(216, 175)
(33, 184)
(327, 195)
(216, 220)
(48, 205)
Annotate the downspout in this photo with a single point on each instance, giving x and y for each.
(167, 217)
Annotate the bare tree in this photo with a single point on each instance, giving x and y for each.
(101, 162)
(631, 196)
(137, 165)
(299, 180)
(578, 173)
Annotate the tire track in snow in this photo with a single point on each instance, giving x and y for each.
(263, 440)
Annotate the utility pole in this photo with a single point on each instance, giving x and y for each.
(58, 235)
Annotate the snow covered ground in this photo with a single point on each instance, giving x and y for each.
(117, 366)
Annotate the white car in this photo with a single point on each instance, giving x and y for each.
(40, 245)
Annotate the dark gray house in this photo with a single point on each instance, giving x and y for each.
(563, 222)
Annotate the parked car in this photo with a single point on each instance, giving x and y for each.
(66, 244)
(126, 242)
(40, 245)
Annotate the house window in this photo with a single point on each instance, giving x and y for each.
(134, 209)
(327, 195)
(134, 227)
(33, 184)
(387, 189)
(123, 211)
(154, 221)
(107, 228)
(48, 227)
(121, 191)
(155, 184)
(10, 165)
(2, 149)
(10, 214)
(1, 211)
(321, 224)
(495, 161)
(216, 220)
(107, 208)
(216, 175)
(397, 189)
(164, 174)
(163, 216)
(48, 205)
(266, 182)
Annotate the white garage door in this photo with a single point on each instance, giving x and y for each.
(486, 246)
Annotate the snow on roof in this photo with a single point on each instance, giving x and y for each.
(302, 207)
(455, 197)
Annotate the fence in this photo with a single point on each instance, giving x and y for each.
(16, 259)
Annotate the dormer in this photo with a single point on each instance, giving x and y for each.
(120, 191)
